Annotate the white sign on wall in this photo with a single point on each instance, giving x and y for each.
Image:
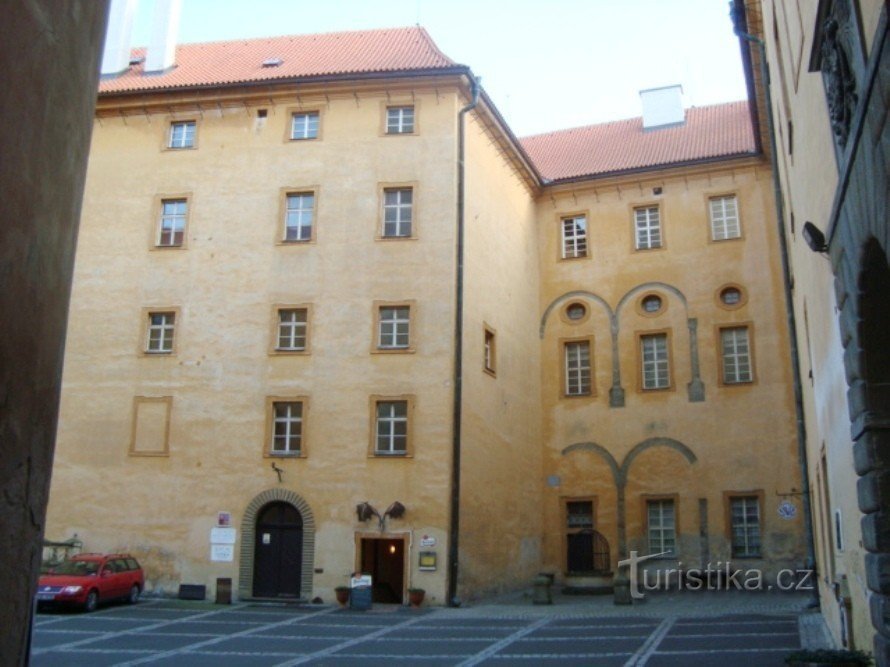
(223, 535)
(222, 553)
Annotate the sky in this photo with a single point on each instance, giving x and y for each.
(547, 65)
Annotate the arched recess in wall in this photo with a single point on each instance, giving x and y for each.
(561, 299)
(248, 536)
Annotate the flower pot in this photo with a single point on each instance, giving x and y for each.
(342, 594)
(415, 596)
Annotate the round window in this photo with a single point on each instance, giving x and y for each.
(576, 311)
(731, 296)
(651, 303)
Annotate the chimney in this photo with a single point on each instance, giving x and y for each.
(162, 44)
(662, 107)
(116, 54)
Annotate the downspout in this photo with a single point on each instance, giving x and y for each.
(454, 528)
(737, 13)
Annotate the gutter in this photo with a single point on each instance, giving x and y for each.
(739, 22)
(454, 528)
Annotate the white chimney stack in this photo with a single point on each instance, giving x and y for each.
(116, 54)
(662, 107)
(161, 52)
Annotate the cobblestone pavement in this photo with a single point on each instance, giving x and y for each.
(725, 629)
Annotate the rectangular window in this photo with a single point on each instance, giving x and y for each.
(400, 120)
(287, 428)
(574, 237)
(584, 551)
(745, 526)
(397, 212)
(661, 526)
(489, 352)
(736, 352)
(393, 328)
(647, 226)
(577, 368)
(292, 329)
(298, 214)
(304, 125)
(724, 218)
(655, 366)
(171, 230)
(391, 428)
(182, 134)
(160, 333)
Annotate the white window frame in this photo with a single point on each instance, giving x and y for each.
(577, 368)
(647, 228)
(398, 212)
(735, 350)
(661, 526)
(304, 125)
(293, 332)
(394, 331)
(161, 332)
(724, 214)
(391, 432)
(299, 216)
(746, 534)
(173, 220)
(655, 361)
(400, 119)
(289, 414)
(182, 134)
(574, 237)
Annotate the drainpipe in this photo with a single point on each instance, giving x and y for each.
(737, 13)
(454, 528)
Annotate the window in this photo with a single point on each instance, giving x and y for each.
(400, 120)
(586, 550)
(574, 237)
(394, 327)
(647, 226)
(724, 218)
(661, 526)
(731, 296)
(298, 214)
(292, 329)
(391, 418)
(577, 368)
(182, 134)
(576, 311)
(287, 428)
(651, 304)
(160, 332)
(745, 526)
(171, 231)
(397, 212)
(304, 125)
(736, 351)
(655, 366)
(490, 352)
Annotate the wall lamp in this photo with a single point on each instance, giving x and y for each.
(814, 237)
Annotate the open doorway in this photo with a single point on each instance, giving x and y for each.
(384, 559)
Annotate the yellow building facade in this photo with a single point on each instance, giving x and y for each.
(341, 320)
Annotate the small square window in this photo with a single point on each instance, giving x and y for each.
(394, 327)
(400, 120)
(293, 325)
(574, 237)
(287, 428)
(398, 208)
(182, 134)
(159, 339)
(171, 227)
(298, 216)
(391, 420)
(304, 125)
(647, 228)
(724, 218)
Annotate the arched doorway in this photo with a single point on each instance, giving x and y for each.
(278, 551)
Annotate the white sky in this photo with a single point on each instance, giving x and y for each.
(546, 64)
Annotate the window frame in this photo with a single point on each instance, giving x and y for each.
(489, 350)
(269, 432)
(709, 199)
(381, 211)
(641, 384)
(728, 497)
(281, 226)
(564, 371)
(157, 223)
(721, 357)
(291, 114)
(377, 399)
(563, 219)
(674, 498)
(743, 296)
(146, 327)
(277, 309)
(395, 104)
(567, 530)
(377, 307)
(635, 239)
(641, 310)
(165, 450)
(168, 137)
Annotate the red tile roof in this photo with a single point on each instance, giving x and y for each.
(221, 63)
(709, 132)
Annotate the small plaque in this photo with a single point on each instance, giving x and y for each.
(427, 561)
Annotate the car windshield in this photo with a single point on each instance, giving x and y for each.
(77, 567)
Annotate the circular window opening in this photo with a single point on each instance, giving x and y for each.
(731, 296)
(576, 311)
(651, 303)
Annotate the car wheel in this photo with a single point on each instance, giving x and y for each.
(134, 595)
(92, 601)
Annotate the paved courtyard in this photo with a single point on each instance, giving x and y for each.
(724, 629)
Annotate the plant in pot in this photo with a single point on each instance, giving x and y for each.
(415, 596)
(342, 593)
(828, 658)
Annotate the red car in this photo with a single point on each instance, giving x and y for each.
(86, 580)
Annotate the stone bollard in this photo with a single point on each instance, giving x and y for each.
(621, 588)
(542, 593)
